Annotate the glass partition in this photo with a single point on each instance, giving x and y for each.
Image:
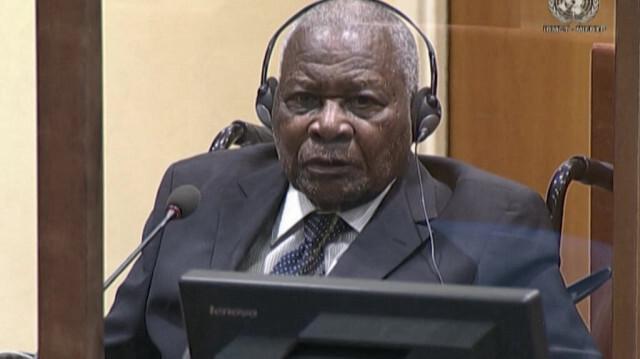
(515, 83)
(521, 102)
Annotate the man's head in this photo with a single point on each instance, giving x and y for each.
(341, 116)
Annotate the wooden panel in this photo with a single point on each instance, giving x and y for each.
(602, 121)
(69, 90)
(504, 14)
(626, 224)
(520, 103)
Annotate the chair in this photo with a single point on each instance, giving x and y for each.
(240, 133)
(579, 168)
(16, 355)
(589, 172)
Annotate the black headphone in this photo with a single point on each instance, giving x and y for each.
(425, 107)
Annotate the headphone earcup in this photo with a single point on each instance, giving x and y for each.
(265, 99)
(425, 114)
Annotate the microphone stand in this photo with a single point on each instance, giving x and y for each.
(172, 212)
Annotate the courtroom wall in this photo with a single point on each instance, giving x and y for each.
(175, 73)
(18, 178)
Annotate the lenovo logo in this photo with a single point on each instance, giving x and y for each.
(233, 312)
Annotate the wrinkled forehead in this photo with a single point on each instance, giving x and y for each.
(341, 32)
(337, 43)
(350, 31)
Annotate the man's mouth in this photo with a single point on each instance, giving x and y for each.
(327, 167)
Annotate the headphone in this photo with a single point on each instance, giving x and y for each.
(425, 107)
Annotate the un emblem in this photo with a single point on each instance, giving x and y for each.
(574, 10)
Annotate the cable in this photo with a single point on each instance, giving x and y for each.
(426, 216)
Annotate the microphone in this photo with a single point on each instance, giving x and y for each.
(181, 203)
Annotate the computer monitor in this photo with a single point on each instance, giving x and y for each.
(232, 315)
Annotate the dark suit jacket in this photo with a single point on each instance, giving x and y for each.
(488, 231)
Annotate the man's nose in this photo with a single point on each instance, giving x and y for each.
(332, 123)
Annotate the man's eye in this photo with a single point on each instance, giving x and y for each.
(304, 101)
(364, 106)
(362, 101)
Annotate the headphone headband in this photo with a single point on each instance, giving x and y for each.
(425, 107)
(432, 57)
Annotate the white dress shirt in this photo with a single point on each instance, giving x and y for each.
(288, 233)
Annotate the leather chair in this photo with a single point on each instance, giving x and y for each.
(16, 355)
(590, 172)
(240, 133)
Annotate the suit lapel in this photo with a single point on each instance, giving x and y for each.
(246, 210)
(395, 231)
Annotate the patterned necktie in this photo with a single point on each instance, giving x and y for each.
(309, 256)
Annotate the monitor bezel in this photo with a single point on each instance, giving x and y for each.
(281, 307)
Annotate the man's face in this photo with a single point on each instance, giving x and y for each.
(341, 115)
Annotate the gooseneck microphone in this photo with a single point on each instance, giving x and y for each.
(181, 203)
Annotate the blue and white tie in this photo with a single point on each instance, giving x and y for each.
(307, 258)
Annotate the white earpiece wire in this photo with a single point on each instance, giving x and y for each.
(426, 216)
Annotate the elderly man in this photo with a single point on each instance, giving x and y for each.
(342, 166)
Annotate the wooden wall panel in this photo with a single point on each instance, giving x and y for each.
(69, 90)
(602, 148)
(626, 183)
(520, 102)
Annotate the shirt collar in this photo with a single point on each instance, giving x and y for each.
(297, 206)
